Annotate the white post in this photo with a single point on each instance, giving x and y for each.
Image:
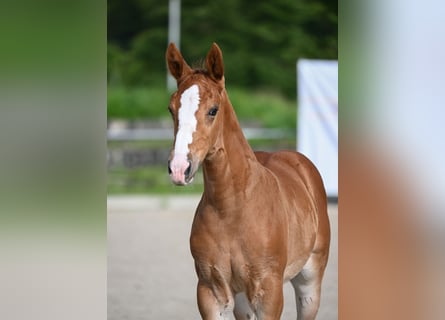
(174, 33)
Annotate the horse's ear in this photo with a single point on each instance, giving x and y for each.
(176, 63)
(214, 63)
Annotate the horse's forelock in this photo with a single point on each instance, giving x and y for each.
(199, 66)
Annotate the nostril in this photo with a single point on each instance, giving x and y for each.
(169, 169)
(189, 169)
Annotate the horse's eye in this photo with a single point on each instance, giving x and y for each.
(213, 111)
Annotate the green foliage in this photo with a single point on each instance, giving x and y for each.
(270, 109)
(137, 103)
(261, 41)
(264, 108)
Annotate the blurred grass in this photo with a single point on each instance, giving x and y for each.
(267, 109)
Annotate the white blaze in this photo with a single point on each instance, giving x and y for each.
(187, 120)
(186, 126)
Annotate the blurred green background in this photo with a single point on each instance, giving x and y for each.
(261, 44)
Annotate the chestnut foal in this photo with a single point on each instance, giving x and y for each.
(262, 219)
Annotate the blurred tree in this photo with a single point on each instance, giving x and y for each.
(124, 21)
(261, 40)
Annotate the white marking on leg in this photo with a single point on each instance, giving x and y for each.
(225, 311)
(186, 127)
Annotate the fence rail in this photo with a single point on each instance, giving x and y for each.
(123, 153)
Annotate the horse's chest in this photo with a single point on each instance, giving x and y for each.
(233, 260)
(238, 252)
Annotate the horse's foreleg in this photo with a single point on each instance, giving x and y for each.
(209, 306)
(267, 299)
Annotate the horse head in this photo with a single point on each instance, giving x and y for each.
(197, 108)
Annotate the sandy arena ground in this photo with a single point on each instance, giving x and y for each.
(150, 268)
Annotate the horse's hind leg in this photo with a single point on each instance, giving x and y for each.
(307, 286)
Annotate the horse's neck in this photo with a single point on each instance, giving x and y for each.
(227, 173)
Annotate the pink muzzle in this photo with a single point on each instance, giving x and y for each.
(179, 170)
